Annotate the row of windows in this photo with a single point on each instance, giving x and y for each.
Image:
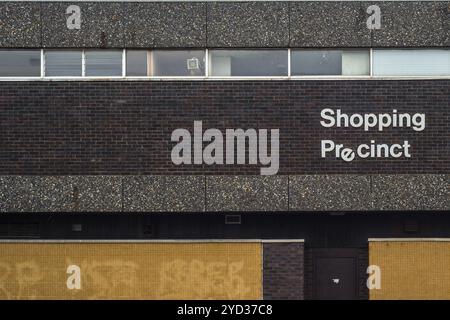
(224, 63)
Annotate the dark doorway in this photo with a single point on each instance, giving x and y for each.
(336, 273)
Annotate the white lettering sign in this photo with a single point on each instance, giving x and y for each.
(374, 279)
(74, 20)
(74, 280)
(369, 121)
(241, 147)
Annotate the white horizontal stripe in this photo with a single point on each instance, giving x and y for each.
(151, 241)
(293, 78)
(74, 1)
(408, 239)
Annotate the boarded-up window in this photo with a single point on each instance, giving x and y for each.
(130, 271)
(411, 269)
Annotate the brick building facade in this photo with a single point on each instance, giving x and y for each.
(90, 158)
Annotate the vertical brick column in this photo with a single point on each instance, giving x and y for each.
(283, 270)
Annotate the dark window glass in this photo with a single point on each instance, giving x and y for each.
(20, 63)
(103, 63)
(330, 62)
(137, 63)
(242, 63)
(63, 63)
(316, 62)
(178, 63)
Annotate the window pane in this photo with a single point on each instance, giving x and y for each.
(355, 63)
(242, 63)
(330, 62)
(137, 63)
(411, 62)
(316, 62)
(103, 63)
(62, 63)
(178, 63)
(20, 63)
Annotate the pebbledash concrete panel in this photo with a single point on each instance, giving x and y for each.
(60, 194)
(36, 194)
(411, 192)
(329, 193)
(102, 25)
(369, 192)
(20, 24)
(248, 24)
(224, 24)
(447, 24)
(329, 24)
(163, 193)
(99, 193)
(165, 25)
(246, 193)
(412, 23)
(339, 192)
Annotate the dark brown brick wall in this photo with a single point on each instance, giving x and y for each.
(363, 263)
(283, 271)
(124, 127)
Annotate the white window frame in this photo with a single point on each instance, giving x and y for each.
(336, 77)
(289, 63)
(43, 65)
(371, 62)
(83, 64)
(25, 78)
(250, 78)
(207, 64)
(101, 77)
(124, 63)
(125, 67)
(207, 76)
(203, 77)
(409, 77)
(162, 78)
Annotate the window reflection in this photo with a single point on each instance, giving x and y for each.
(20, 63)
(103, 63)
(188, 63)
(330, 62)
(248, 63)
(63, 63)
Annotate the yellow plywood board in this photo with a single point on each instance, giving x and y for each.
(131, 270)
(411, 269)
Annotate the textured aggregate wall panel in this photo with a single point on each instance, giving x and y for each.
(330, 192)
(60, 194)
(240, 193)
(417, 192)
(412, 23)
(163, 193)
(248, 24)
(20, 25)
(199, 193)
(329, 24)
(102, 25)
(267, 24)
(165, 25)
